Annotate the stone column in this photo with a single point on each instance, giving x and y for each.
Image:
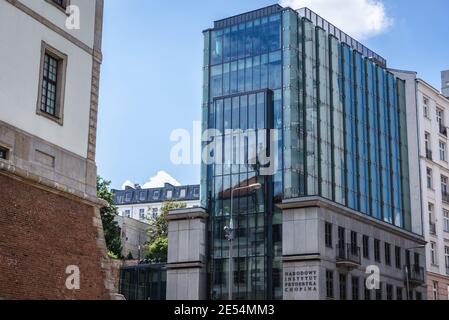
(301, 265)
(186, 267)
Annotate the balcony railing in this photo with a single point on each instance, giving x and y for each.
(433, 228)
(415, 274)
(348, 255)
(445, 197)
(429, 154)
(443, 130)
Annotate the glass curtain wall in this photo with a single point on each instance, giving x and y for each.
(344, 137)
(245, 93)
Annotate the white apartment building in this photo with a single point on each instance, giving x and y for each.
(145, 204)
(433, 109)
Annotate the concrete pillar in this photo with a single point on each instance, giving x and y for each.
(186, 267)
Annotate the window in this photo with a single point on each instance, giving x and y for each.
(196, 192)
(155, 212)
(446, 221)
(446, 259)
(52, 84)
(429, 178)
(440, 121)
(128, 197)
(355, 288)
(367, 294)
(59, 3)
(389, 292)
(156, 194)
(444, 185)
(399, 293)
(182, 193)
(354, 243)
(341, 238)
(435, 290)
(143, 195)
(169, 194)
(329, 284)
(128, 213)
(433, 253)
(432, 226)
(342, 285)
(379, 292)
(366, 247)
(3, 153)
(426, 107)
(387, 254)
(120, 198)
(442, 151)
(142, 214)
(418, 296)
(328, 234)
(397, 255)
(428, 145)
(377, 250)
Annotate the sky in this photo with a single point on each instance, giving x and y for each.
(151, 78)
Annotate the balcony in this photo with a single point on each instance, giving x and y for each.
(445, 197)
(415, 275)
(433, 228)
(429, 154)
(348, 256)
(443, 130)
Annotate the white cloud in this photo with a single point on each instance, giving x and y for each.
(159, 180)
(361, 19)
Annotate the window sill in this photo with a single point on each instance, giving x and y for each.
(50, 117)
(60, 8)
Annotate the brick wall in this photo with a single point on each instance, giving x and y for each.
(42, 233)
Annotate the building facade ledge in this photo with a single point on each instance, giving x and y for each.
(187, 214)
(317, 201)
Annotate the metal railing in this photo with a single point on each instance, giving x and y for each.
(340, 35)
(415, 273)
(349, 253)
(433, 228)
(445, 197)
(443, 130)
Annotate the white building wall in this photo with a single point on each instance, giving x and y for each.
(18, 102)
(439, 167)
(148, 209)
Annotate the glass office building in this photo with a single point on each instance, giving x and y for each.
(343, 137)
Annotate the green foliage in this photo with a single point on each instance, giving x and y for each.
(157, 243)
(108, 214)
(112, 255)
(158, 250)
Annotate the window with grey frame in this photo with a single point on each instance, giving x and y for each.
(50, 103)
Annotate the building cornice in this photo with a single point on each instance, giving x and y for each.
(28, 177)
(38, 17)
(316, 201)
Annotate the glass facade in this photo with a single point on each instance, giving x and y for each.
(342, 118)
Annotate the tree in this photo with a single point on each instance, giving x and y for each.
(108, 214)
(157, 243)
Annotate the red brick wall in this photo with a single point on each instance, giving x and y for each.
(42, 233)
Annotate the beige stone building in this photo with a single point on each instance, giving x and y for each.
(49, 84)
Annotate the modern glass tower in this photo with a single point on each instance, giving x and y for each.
(342, 119)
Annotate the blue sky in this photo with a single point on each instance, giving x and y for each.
(152, 70)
